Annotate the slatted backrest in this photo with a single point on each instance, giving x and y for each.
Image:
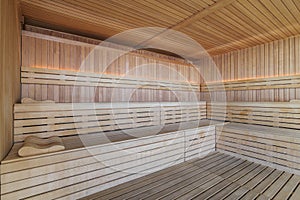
(182, 112)
(43, 76)
(253, 84)
(64, 119)
(276, 114)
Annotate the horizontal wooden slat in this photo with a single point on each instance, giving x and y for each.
(284, 114)
(279, 82)
(32, 75)
(102, 166)
(274, 147)
(89, 72)
(94, 106)
(65, 119)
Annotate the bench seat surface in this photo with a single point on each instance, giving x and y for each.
(89, 140)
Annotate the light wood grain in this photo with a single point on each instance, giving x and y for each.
(10, 70)
(216, 176)
(101, 73)
(99, 166)
(261, 144)
(219, 26)
(46, 120)
(279, 82)
(41, 76)
(276, 114)
(258, 74)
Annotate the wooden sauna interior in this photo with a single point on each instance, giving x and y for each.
(185, 99)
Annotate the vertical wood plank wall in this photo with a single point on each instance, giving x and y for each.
(59, 53)
(273, 59)
(9, 71)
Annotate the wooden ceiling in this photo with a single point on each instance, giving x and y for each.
(218, 25)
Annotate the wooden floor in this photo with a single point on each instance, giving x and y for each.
(216, 176)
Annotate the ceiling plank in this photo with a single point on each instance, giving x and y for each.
(218, 25)
(195, 17)
(203, 13)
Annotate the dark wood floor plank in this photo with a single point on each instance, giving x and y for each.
(154, 177)
(203, 184)
(208, 193)
(177, 190)
(288, 188)
(233, 185)
(241, 191)
(277, 185)
(216, 176)
(264, 184)
(203, 170)
(296, 193)
(262, 197)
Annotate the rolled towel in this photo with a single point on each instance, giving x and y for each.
(35, 146)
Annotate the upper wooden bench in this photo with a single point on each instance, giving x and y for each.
(264, 132)
(276, 114)
(279, 82)
(43, 76)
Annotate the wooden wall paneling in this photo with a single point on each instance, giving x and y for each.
(272, 68)
(236, 68)
(285, 62)
(291, 57)
(31, 62)
(297, 62)
(44, 62)
(9, 71)
(230, 68)
(38, 62)
(139, 72)
(49, 63)
(280, 68)
(25, 62)
(121, 69)
(266, 51)
(260, 72)
(247, 69)
(70, 56)
(274, 59)
(253, 72)
(7, 142)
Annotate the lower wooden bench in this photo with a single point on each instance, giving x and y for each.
(275, 147)
(95, 162)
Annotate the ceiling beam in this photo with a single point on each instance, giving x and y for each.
(195, 17)
(202, 13)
